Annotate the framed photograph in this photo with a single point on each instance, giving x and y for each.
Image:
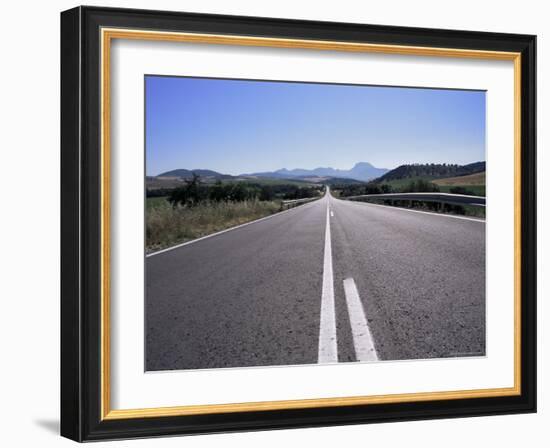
(273, 223)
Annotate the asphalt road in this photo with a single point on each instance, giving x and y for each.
(329, 281)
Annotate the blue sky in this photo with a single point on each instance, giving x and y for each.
(240, 126)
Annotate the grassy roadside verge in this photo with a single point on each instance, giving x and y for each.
(167, 226)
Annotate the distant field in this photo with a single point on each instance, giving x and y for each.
(477, 179)
(475, 183)
(400, 183)
(154, 183)
(271, 181)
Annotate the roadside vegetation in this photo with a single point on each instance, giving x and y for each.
(424, 178)
(470, 190)
(198, 209)
(472, 184)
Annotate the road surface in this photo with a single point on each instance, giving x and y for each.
(329, 281)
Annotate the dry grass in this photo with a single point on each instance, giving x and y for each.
(167, 226)
(470, 179)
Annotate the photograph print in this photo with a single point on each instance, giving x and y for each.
(297, 223)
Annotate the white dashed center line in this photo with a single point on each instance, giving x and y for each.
(362, 338)
(328, 345)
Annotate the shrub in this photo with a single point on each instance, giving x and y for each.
(194, 192)
(461, 190)
(420, 186)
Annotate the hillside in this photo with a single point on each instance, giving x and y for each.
(430, 171)
(469, 179)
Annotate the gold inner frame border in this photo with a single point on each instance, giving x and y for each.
(107, 35)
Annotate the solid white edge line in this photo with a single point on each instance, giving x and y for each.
(328, 345)
(362, 337)
(418, 211)
(226, 230)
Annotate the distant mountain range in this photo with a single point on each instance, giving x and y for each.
(188, 174)
(362, 171)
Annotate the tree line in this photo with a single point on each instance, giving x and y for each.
(195, 192)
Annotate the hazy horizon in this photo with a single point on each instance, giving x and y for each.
(239, 126)
(302, 167)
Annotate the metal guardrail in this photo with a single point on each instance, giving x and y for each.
(448, 198)
(296, 202)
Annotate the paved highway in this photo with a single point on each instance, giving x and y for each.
(329, 281)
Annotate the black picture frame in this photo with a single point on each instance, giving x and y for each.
(81, 224)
